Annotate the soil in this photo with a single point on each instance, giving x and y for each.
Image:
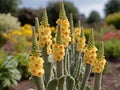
(110, 81)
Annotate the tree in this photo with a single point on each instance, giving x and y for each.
(53, 12)
(9, 6)
(26, 15)
(94, 17)
(112, 6)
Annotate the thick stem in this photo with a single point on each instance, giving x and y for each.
(38, 82)
(97, 81)
(86, 76)
(45, 57)
(59, 68)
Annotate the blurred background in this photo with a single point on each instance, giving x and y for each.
(18, 16)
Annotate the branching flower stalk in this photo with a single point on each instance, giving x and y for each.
(98, 67)
(64, 26)
(45, 42)
(58, 53)
(36, 64)
(89, 57)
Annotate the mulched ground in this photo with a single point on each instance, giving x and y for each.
(110, 81)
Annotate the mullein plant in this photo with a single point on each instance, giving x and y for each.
(36, 64)
(44, 41)
(52, 72)
(89, 57)
(98, 67)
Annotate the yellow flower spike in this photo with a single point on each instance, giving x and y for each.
(99, 63)
(58, 47)
(90, 50)
(64, 26)
(58, 51)
(36, 62)
(44, 32)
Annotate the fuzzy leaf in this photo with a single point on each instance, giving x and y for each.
(52, 84)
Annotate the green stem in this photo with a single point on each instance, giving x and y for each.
(97, 81)
(86, 76)
(59, 68)
(46, 67)
(38, 82)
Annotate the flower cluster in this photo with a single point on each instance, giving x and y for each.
(90, 55)
(44, 36)
(111, 35)
(36, 66)
(98, 65)
(58, 52)
(75, 35)
(64, 27)
(80, 44)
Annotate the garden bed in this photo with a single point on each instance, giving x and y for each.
(111, 80)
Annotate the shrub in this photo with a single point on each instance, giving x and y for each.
(23, 61)
(112, 49)
(114, 19)
(9, 74)
(15, 37)
(8, 22)
(111, 35)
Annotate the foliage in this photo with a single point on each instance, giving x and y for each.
(112, 6)
(94, 17)
(114, 19)
(9, 6)
(27, 16)
(8, 22)
(15, 37)
(112, 49)
(111, 35)
(23, 60)
(54, 7)
(3, 40)
(9, 75)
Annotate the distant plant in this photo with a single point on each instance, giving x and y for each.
(9, 74)
(114, 19)
(19, 40)
(3, 40)
(112, 6)
(9, 6)
(22, 59)
(94, 17)
(112, 35)
(27, 15)
(112, 49)
(8, 22)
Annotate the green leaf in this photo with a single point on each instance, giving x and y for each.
(61, 82)
(70, 82)
(87, 88)
(52, 84)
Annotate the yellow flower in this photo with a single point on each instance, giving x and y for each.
(99, 63)
(76, 34)
(98, 66)
(58, 52)
(65, 32)
(52, 29)
(80, 44)
(90, 55)
(44, 36)
(5, 35)
(36, 66)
